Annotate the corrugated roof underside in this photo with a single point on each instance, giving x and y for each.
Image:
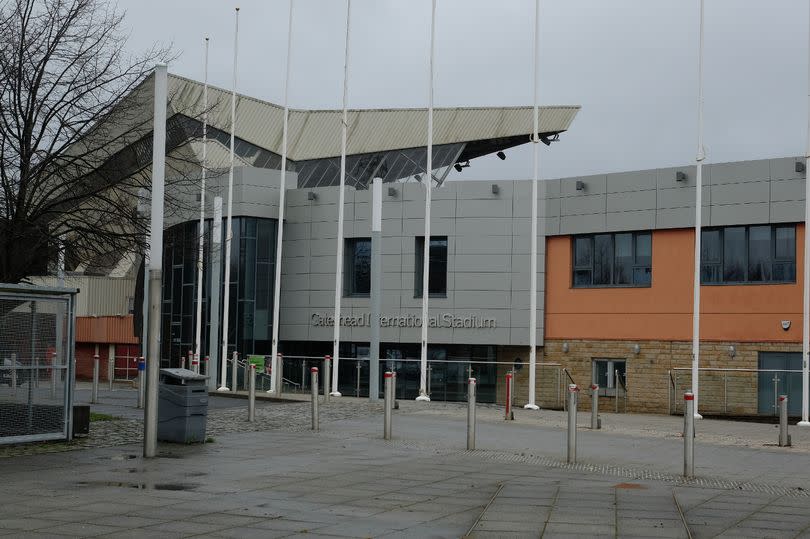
(316, 134)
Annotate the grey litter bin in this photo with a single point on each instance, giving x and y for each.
(182, 406)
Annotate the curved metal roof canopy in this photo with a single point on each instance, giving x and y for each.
(386, 143)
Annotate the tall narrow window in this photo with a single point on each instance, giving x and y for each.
(437, 278)
(621, 259)
(357, 267)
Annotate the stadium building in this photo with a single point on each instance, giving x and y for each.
(614, 272)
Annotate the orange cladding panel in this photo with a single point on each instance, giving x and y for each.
(663, 311)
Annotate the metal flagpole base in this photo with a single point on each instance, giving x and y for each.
(336, 394)
(531, 406)
(698, 416)
(223, 389)
(803, 424)
(270, 391)
(423, 398)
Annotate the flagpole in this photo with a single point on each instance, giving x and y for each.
(201, 247)
(275, 379)
(423, 396)
(701, 155)
(228, 230)
(531, 405)
(341, 199)
(805, 422)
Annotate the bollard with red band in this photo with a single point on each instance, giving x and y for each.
(689, 435)
(313, 373)
(327, 377)
(784, 437)
(596, 423)
(509, 414)
(195, 363)
(573, 392)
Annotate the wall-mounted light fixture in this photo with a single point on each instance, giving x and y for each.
(680, 176)
(312, 196)
(392, 192)
(459, 166)
(580, 185)
(501, 156)
(732, 351)
(636, 349)
(565, 348)
(495, 189)
(800, 166)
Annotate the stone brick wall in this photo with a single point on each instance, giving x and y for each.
(651, 373)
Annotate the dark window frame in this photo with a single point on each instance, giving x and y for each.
(419, 255)
(350, 268)
(589, 269)
(719, 264)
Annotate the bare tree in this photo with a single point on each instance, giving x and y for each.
(75, 134)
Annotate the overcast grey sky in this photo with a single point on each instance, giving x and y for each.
(631, 64)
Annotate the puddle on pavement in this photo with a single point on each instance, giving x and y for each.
(138, 486)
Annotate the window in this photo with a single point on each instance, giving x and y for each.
(437, 278)
(748, 254)
(605, 372)
(620, 259)
(357, 267)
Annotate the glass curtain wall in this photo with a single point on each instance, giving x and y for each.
(251, 295)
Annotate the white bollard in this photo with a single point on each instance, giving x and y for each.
(470, 414)
(572, 423)
(689, 435)
(784, 437)
(595, 423)
(314, 379)
(388, 404)
(251, 375)
(94, 391)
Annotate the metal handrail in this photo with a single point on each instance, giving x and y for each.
(719, 369)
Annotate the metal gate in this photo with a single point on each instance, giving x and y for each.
(780, 374)
(37, 335)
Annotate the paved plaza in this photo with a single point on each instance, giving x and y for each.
(275, 478)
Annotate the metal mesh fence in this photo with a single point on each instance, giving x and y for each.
(36, 353)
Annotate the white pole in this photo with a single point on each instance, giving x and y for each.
(341, 198)
(701, 155)
(805, 422)
(228, 227)
(423, 396)
(155, 260)
(282, 189)
(201, 247)
(533, 265)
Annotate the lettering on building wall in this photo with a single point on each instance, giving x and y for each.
(443, 320)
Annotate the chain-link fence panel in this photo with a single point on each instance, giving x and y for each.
(36, 363)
